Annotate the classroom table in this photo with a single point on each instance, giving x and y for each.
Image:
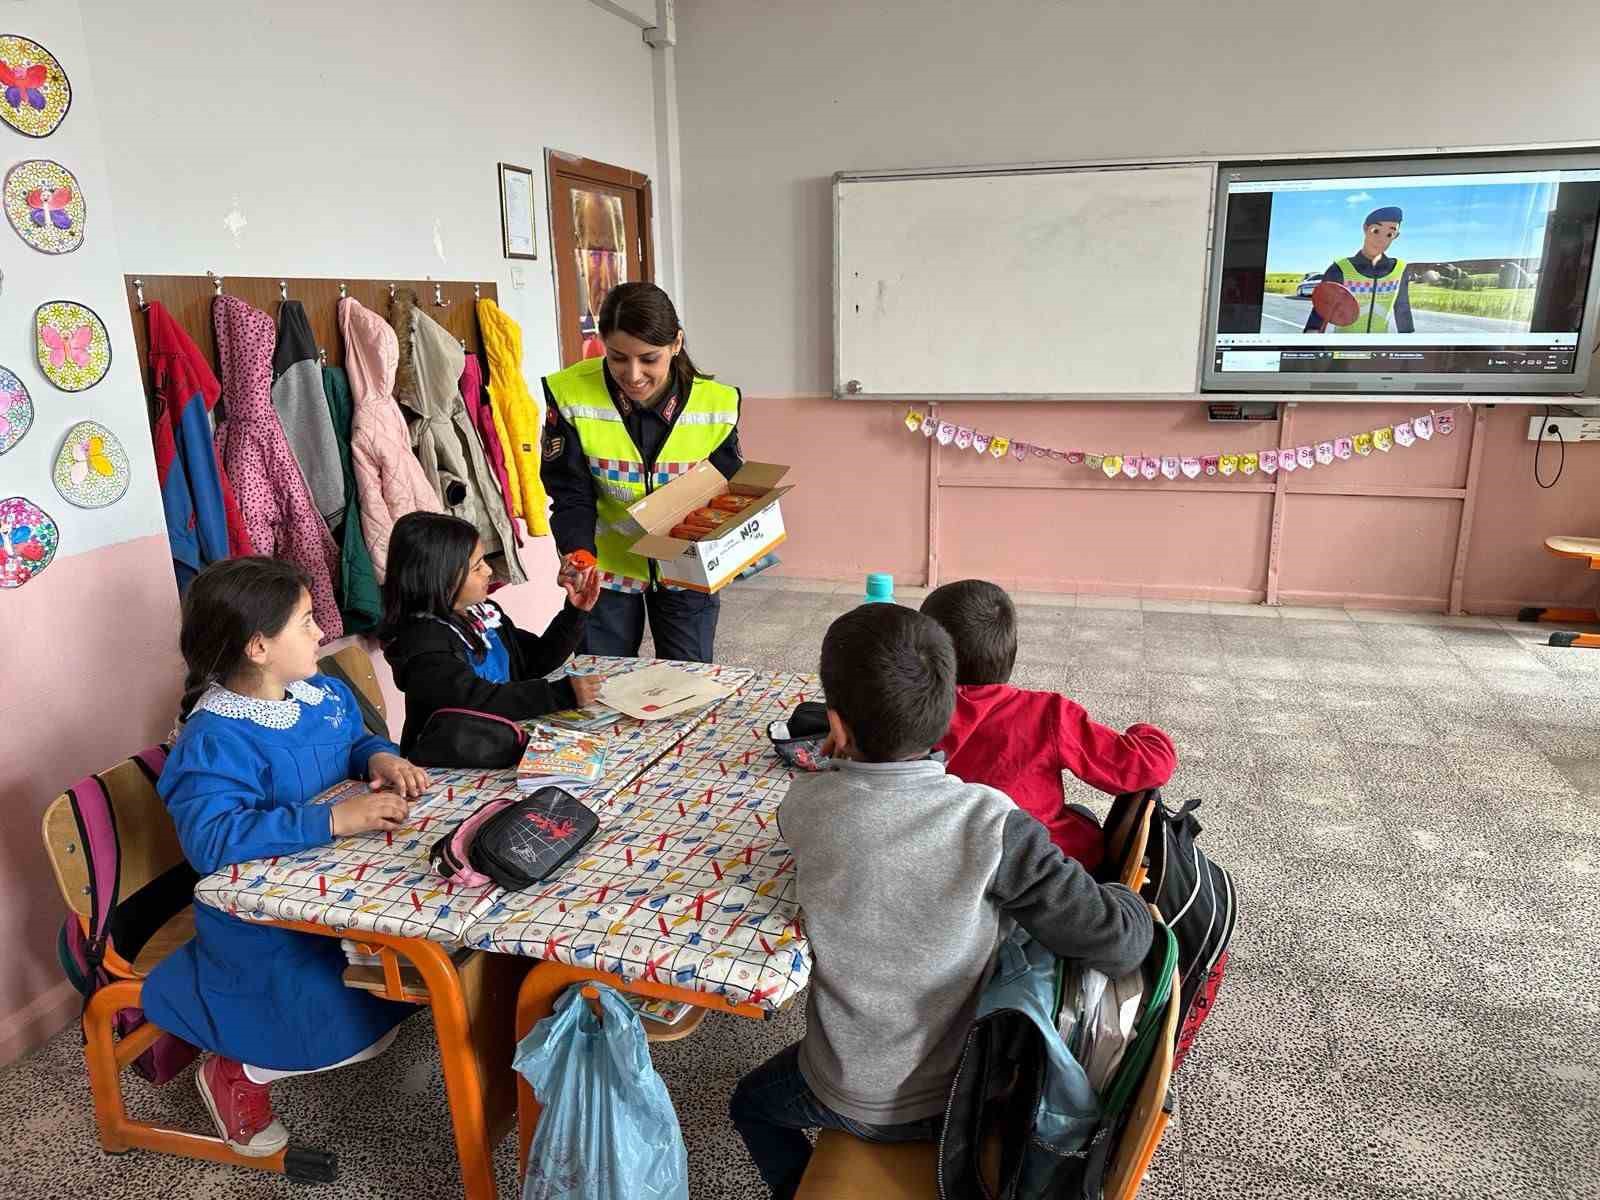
(687, 894)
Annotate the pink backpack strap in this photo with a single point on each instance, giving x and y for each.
(460, 843)
(97, 832)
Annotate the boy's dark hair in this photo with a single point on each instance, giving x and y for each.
(429, 557)
(225, 606)
(890, 674)
(982, 622)
(644, 311)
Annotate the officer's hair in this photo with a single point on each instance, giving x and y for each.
(644, 311)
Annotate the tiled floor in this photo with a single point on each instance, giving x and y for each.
(1412, 1009)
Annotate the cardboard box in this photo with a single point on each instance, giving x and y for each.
(713, 562)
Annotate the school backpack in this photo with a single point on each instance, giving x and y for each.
(1194, 896)
(126, 925)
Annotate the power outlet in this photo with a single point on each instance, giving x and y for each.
(1571, 429)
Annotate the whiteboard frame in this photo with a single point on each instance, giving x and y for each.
(1214, 163)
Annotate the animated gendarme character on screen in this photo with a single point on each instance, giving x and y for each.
(1377, 281)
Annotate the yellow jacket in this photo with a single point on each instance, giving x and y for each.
(516, 415)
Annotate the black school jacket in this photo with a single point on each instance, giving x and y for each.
(431, 666)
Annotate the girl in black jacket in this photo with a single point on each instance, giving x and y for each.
(450, 646)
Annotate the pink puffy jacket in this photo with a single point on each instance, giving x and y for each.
(279, 513)
(389, 479)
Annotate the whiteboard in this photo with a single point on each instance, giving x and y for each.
(1021, 284)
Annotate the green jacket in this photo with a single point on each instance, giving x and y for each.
(360, 598)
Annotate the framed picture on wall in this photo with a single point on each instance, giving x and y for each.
(516, 212)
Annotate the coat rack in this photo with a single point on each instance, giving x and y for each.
(451, 303)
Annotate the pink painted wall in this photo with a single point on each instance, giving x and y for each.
(91, 674)
(862, 504)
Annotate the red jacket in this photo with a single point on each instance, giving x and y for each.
(1019, 742)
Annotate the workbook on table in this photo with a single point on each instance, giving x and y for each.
(659, 691)
(556, 757)
(592, 718)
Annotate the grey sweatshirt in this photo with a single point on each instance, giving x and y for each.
(907, 879)
(302, 408)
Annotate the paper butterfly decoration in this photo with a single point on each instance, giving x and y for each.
(24, 85)
(91, 471)
(35, 93)
(90, 455)
(73, 350)
(16, 410)
(51, 207)
(74, 346)
(28, 541)
(45, 205)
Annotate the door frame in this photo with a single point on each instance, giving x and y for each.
(588, 170)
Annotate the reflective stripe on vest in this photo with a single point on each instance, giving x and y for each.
(1376, 296)
(616, 464)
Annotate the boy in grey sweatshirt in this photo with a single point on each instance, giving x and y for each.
(908, 878)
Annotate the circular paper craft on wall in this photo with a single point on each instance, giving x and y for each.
(92, 468)
(34, 91)
(28, 541)
(45, 206)
(73, 347)
(16, 410)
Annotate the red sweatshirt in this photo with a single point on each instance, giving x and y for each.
(1019, 742)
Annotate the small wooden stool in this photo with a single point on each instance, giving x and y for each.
(1585, 550)
(846, 1168)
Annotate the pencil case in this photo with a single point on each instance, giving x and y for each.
(798, 740)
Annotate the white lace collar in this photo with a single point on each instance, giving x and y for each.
(273, 714)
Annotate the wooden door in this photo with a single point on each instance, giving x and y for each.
(599, 237)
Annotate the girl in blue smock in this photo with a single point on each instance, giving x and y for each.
(263, 734)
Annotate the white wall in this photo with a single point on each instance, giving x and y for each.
(91, 275)
(775, 97)
(359, 139)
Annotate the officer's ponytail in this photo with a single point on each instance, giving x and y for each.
(644, 311)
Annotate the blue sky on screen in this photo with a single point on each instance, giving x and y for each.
(1496, 220)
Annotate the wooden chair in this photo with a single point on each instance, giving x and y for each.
(1127, 836)
(1148, 1119)
(1584, 550)
(845, 1168)
(148, 856)
(354, 665)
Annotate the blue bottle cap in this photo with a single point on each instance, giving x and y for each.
(880, 588)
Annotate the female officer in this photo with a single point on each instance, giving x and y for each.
(616, 428)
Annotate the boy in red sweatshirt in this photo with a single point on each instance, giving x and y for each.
(1017, 741)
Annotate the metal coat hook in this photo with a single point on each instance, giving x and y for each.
(343, 291)
(463, 342)
(138, 293)
(216, 282)
(391, 291)
(322, 357)
(283, 289)
(476, 294)
(438, 297)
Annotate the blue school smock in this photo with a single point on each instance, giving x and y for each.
(238, 784)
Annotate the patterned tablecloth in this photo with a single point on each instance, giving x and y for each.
(384, 883)
(686, 883)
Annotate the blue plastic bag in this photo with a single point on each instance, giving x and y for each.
(608, 1131)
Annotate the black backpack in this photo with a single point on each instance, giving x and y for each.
(1194, 896)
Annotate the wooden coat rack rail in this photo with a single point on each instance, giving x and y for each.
(452, 303)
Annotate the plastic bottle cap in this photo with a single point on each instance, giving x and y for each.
(880, 588)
